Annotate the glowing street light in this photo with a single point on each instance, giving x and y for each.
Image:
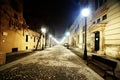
(62, 40)
(50, 35)
(67, 33)
(55, 40)
(43, 30)
(85, 13)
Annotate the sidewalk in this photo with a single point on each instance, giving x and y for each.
(79, 52)
(12, 56)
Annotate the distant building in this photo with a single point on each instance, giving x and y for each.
(103, 28)
(14, 33)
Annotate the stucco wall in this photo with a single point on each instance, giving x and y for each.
(13, 28)
(112, 30)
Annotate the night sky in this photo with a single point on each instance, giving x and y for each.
(56, 14)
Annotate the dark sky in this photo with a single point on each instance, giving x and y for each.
(56, 14)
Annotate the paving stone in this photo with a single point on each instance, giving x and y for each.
(55, 63)
(35, 71)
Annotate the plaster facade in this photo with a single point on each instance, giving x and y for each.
(15, 34)
(103, 28)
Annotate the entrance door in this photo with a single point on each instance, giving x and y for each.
(97, 40)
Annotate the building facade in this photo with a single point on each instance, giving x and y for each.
(103, 28)
(15, 34)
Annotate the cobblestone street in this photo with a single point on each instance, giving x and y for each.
(56, 63)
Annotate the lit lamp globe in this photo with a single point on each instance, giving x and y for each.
(50, 35)
(67, 33)
(85, 12)
(43, 30)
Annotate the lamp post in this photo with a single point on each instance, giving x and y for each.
(43, 30)
(68, 34)
(85, 13)
(50, 39)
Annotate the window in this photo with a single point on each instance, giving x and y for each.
(26, 38)
(94, 22)
(34, 46)
(104, 17)
(77, 27)
(75, 30)
(34, 39)
(78, 38)
(31, 37)
(14, 49)
(26, 47)
(98, 20)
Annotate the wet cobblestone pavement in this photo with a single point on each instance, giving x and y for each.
(55, 63)
(35, 71)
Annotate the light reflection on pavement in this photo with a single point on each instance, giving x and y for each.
(56, 63)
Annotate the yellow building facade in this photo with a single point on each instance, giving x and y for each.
(14, 33)
(103, 28)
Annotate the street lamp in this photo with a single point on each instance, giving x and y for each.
(50, 39)
(43, 30)
(50, 35)
(85, 14)
(68, 34)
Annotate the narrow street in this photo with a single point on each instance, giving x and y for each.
(59, 39)
(56, 63)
